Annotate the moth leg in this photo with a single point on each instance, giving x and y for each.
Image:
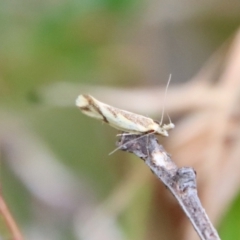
(140, 136)
(126, 134)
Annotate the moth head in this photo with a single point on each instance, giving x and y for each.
(162, 131)
(168, 126)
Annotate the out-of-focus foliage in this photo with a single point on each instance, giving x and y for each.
(229, 226)
(42, 42)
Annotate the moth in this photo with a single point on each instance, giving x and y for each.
(125, 121)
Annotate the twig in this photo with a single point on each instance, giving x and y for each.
(10, 222)
(180, 181)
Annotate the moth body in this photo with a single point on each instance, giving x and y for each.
(121, 119)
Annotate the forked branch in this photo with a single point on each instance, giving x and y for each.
(180, 181)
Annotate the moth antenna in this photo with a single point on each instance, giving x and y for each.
(164, 100)
(144, 135)
(170, 121)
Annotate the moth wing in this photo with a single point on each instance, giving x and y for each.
(87, 108)
(126, 121)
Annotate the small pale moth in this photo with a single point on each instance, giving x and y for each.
(120, 119)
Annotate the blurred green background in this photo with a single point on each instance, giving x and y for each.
(55, 167)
